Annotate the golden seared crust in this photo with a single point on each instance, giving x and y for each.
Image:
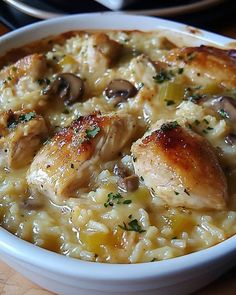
(181, 167)
(205, 64)
(34, 65)
(22, 134)
(72, 157)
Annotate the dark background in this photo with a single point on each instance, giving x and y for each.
(216, 19)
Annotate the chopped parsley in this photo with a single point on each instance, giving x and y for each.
(223, 114)
(27, 117)
(169, 126)
(197, 122)
(91, 133)
(133, 225)
(154, 259)
(176, 193)
(113, 198)
(126, 202)
(194, 98)
(210, 128)
(206, 121)
(163, 76)
(22, 119)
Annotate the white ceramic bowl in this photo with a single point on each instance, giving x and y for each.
(69, 276)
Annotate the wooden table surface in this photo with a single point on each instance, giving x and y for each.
(12, 283)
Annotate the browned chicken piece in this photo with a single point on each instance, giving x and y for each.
(102, 53)
(34, 65)
(74, 156)
(21, 135)
(204, 65)
(180, 167)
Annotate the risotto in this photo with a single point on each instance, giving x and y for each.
(118, 146)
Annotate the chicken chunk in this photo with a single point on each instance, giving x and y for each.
(75, 154)
(204, 65)
(102, 53)
(34, 65)
(21, 135)
(180, 167)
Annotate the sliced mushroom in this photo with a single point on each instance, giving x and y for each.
(231, 139)
(68, 87)
(129, 183)
(119, 90)
(121, 171)
(225, 105)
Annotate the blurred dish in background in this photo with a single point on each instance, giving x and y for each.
(43, 9)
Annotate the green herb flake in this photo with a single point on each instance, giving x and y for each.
(176, 193)
(113, 198)
(154, 259)
(133, 225)
(223, 114)
(210, 128)
(91, 133)
(194, 98)
(163, 76)
(206, 121)
(168, 126)
(196, 122)
(127, 202)
(27, 117)
(180, 71)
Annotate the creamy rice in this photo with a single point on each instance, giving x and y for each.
(82, 227)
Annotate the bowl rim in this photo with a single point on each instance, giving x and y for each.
(23, 251)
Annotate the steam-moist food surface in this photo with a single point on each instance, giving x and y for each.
(94, 207)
